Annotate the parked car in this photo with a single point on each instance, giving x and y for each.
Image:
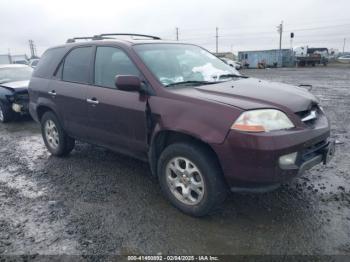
(344, 59)
(19, 59)
(234, 64)
(33, 62)
(202, 126)
(14, 98)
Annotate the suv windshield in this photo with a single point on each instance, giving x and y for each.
(176, 64)
(12, 74)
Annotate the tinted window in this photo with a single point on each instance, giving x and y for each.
(111, 61)
(77, 64)
(48, 62)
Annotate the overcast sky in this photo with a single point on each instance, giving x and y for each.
(243, 24)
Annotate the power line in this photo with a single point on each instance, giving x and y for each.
(321, 27)
(253, 34)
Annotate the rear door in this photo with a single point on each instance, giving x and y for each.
(69, 90)
(117, 118)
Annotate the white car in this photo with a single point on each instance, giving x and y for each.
(344, 59)
(234, 64)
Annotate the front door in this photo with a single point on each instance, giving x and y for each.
(117, 118)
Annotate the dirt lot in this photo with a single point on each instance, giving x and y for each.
(99, 202)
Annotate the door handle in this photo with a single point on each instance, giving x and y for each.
(52, 92)
(92, 101)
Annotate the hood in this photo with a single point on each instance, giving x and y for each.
(251, 93)
(17, 86)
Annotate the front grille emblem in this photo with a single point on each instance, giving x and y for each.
(312, 115)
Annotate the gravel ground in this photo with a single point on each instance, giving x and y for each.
(99, 202)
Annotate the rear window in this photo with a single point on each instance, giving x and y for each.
(76, 66)
(49, 62)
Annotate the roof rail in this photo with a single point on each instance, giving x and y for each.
(105, 36)
(102, 36)
(72, 40)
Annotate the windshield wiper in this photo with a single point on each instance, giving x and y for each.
(232, 75)
(192, 82)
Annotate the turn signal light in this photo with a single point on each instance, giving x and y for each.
(248, 128)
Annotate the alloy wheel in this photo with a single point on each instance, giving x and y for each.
(51, 134)
(185, 180)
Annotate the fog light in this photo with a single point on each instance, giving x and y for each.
(16, 107)
(287, 160)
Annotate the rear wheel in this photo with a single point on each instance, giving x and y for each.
(55, 138)
(6, 113)
(191, 179)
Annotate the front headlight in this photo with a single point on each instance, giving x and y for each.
(262, 120)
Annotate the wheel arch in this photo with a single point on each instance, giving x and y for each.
(164, 138)
(42, 109)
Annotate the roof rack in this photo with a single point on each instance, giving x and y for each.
(106, 36)
(72, 40)
(102, 36)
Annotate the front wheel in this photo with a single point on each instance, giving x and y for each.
(191, 179)
(55, 138)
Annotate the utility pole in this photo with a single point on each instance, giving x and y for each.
(9, 54)
(32, 49)
(217, 40)
(344, 45)
(177, 34)
(280, 31)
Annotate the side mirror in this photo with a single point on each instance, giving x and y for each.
(128, 83)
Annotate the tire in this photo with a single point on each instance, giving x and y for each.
(6, 113)
(55, 138)
(210, 187)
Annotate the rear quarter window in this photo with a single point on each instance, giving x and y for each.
(49, 62)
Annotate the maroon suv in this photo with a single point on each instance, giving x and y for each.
(203, 127)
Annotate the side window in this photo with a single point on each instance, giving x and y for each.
(48, 62)
(111, 61)
(76, 66)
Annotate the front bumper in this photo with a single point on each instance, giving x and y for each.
(251, 160)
